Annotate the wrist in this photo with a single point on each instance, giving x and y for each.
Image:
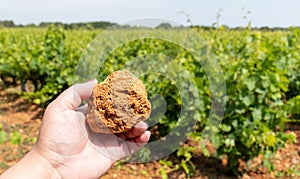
(43, 165)
(33, 165)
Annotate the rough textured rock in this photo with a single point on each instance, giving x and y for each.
(118, 103)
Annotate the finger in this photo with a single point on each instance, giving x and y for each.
(137, 130)
(71, 98)
(122, 136)
(133, 145)
(82, 109)
(142, 139)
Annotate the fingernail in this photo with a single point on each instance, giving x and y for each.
(92, 80)
(142, 125)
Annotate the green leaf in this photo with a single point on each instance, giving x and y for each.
(226, 128)
(273, 88)
(166, 163)
(250, 83)
(205, 151)
(15, 138)
(186, 152)
(293, 105)
(229, 142)
(37, 101)
(260, 91)
(248, 100)
(256, 114)
(250, 140)
(270, 139)
(163, 173)
(265, 84)
(235, 124)
(3, 137)
(185, 167)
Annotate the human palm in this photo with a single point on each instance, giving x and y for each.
(67, 142)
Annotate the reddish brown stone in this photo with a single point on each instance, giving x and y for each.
(118, 103)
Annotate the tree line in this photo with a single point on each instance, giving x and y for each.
(106, 24)
(79, 25)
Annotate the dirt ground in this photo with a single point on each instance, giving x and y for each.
(16, 114)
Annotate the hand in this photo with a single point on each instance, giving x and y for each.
(69, 146)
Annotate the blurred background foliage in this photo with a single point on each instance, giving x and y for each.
(261, 69)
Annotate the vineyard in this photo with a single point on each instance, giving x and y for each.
(260, 69)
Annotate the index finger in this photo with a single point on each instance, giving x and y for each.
(72, 97)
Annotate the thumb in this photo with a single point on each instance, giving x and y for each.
(72, 97)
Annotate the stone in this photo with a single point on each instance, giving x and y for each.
(118, 103)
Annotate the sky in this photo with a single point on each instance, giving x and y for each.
(272, 13)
